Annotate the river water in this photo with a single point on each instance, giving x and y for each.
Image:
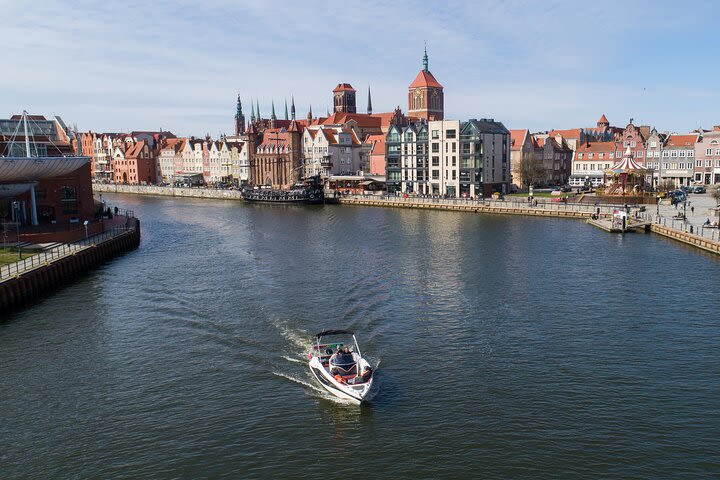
(507, 347)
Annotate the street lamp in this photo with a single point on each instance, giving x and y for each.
(85, 223)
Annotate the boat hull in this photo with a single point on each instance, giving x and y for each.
(342, 391)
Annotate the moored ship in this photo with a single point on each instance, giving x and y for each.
(308, 193)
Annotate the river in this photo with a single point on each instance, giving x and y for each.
(507, 347)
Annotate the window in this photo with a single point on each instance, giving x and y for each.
(708, 163)
(691, 153)
(450, 133)
(580, 155)
(681, 153)
(653, 144)
(68, 198)
(717, 152)
(708, 152)
(436, 174)
(673, 153)
(666, 153)
(435, 148)
(698, 163)
(601, 155)
(591, 155)
(454, 147)
(640, 154)
(435, 161)
(454, 173)
(454, 161)
(632, 144)
(435, 134)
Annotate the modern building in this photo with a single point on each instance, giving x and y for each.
(43, 182)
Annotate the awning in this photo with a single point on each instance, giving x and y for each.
(37, 168)
(14, 189)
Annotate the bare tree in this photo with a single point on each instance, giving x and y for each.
(530, 170)
(666, 186)
(716, 195)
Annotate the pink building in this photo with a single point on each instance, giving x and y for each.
(707, 157)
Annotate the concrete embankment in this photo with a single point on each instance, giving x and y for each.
(49, 275)
(169, 191)
(501, 208)
(688, 238)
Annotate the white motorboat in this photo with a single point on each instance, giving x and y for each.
(336, 362)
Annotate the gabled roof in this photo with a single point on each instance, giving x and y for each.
(425, 79)
(681, 140)
(596, 147)
(603, 119)
(377, 144)
(517, 138)
(570, 134)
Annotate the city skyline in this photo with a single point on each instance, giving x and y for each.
(181, 65)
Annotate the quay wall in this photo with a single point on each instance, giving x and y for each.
(688, 238)
(169, 191)
(35, 283)
(494, 208)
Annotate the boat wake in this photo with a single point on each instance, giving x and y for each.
(294, 360)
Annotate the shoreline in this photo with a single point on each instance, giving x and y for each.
(493, 207)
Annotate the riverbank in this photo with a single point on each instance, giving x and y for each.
(33, 277)
(169, 191)
(510, 206)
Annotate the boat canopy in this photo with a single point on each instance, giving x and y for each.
(334, 332)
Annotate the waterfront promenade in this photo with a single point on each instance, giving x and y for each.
(661, 217)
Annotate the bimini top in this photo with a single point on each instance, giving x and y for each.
(13, 169)
(334, 332)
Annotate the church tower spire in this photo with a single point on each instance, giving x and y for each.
(252, 111)
(239, 118)
(292, 108)
(257, 112)
(286, 110)
(369, 108)
(425, 60)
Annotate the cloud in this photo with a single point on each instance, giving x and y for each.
(180, 64)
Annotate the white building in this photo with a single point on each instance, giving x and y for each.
(332, 150)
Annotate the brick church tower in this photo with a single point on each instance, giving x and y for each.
(425, 95)
(344, 98)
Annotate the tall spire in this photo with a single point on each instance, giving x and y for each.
(257, 104)
(239, 113)
(286, 111)
(309, 114)
(369, 109)
(252, 111)
(272, 115)
(292, 108)
(425, 59)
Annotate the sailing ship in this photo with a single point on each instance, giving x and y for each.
(309, 192)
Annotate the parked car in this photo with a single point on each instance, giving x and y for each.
(699, 190)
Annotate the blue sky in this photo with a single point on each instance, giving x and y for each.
(178, 65)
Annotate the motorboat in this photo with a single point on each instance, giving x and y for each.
(337, 364)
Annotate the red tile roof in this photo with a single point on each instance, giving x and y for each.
(596, 147)
(573, 133)
(681, 141)
(377, 144)
(603, 119)
(425, 79)
(517, 137)
(343, 87)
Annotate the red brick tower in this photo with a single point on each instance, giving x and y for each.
(425, 95)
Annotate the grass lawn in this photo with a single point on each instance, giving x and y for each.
(8, 255)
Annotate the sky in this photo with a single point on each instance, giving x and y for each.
(179, 65)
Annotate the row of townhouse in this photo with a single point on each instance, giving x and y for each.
(333, 150)
(680, 159)
(160, 157)
(448, 157)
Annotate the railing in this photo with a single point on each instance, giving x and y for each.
(487, 202)
(47, 256)
(683, 226)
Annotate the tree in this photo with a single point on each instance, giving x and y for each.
(666, 186)
(530, 170)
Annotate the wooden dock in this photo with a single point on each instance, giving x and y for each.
(631, 227)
